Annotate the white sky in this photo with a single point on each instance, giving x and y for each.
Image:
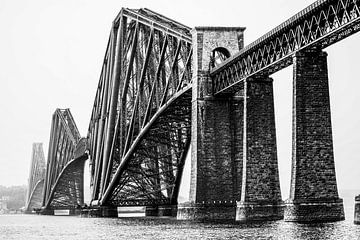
(51, 53)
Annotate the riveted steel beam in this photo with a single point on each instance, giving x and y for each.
(320, 25)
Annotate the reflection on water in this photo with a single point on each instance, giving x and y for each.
(31, 227)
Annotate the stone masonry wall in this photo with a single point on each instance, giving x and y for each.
(357, 210)
(216, 157)
(313, 170)
(261, 177)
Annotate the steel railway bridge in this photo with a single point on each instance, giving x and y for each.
(168, 93)
(36, 179)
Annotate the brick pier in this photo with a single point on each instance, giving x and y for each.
(260, 194)
(216, 156)
(357, 210)
(313, 194)
(227, 133)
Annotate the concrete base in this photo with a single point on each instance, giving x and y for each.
(35, 211)
(61, 212)
(247, 212)
(99, 212)
(357, 210)
(45, 211)
(113, 212)
(90, 212)
(315, 211)
(206, 212)
(161, 211)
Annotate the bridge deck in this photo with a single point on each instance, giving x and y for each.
(320, 25)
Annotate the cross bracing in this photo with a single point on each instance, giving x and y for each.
(139, 133)
(318, 26)
(145, 70)
(66, 158)
(36, 178)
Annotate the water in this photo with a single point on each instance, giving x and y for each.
(55, 227)
(31, 227)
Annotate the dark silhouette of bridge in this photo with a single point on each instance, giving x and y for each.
(167, 91)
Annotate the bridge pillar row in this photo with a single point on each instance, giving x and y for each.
(216, 133)
(313, 191)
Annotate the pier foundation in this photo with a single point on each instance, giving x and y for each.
(357, 210)
(216, 140)
(260, 192)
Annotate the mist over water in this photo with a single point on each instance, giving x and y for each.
(31, 227)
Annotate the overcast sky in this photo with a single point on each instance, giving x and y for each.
(51, 53)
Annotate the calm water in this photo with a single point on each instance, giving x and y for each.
(56, 227)
(50, 227)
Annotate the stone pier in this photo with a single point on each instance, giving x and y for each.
(260, 194)
(357, 210)
(234, 171)
(216, 156)
(313, 194)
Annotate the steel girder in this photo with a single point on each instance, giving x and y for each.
(36, 197)
(36, 178)
(137, 137)
(323, 23)
(65, 141)
(68, 190)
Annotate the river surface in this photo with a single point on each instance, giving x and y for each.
(29, 227)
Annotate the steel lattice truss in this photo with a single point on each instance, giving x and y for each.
(139, 130)
(34, 194)
(65, 164)
(68, 190)
(321, 24)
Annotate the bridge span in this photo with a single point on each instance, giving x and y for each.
(36, 179)
(167, 91)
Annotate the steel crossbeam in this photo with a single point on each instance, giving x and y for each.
(320, 25)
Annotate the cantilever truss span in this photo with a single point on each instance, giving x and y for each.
(66, 159)
(36, 178)
(318, 26)
(139, 131)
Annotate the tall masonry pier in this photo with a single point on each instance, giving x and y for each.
(234, 173)
(313, 193)
(357, 210)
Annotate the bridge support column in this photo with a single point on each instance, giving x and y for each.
(215, 161)
(260, 194)
(109, 211)
(313, 194)
(357, 210)
(216, 140)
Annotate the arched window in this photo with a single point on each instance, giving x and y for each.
(218, 55)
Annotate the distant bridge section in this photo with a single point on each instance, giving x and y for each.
(35, 188)
(65, 164)
(318, 26)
